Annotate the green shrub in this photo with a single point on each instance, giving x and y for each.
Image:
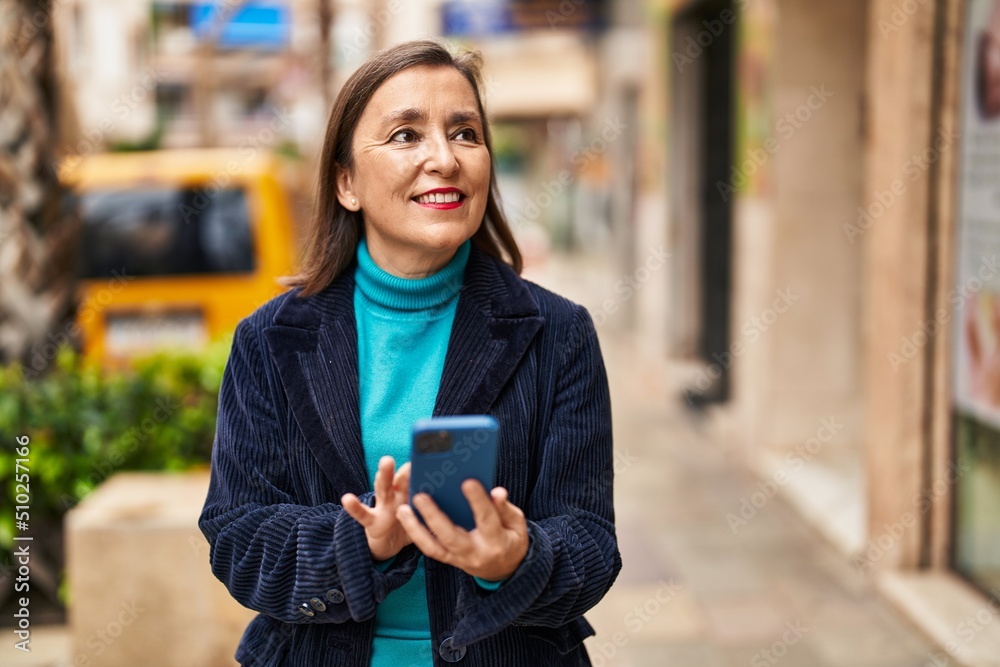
(85, 424)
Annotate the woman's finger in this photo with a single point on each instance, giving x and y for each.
(483, 509)
(446, 532)
(383, 479)
(421, 536)
(357, 509)
(401, 482)
(510, 514)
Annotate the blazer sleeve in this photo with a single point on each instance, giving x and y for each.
(573, 557)
(275, 555)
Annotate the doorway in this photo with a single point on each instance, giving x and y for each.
(701, 137)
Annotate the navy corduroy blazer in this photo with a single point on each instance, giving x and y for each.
(288, 446)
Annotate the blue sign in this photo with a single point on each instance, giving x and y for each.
(477, 18)
(470, 18)
(257, 24)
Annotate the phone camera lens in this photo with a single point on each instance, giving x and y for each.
(434, 442)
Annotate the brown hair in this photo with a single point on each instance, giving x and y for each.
(333, 239)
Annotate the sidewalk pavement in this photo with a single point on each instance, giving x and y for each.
(696, 592)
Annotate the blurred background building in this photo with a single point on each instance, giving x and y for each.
(189, 74)
(821, 177)
(832, 196)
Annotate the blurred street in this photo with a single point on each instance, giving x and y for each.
(732, 597)
(692, 593)
(783, 216)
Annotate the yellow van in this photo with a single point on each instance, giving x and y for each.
(176, 246)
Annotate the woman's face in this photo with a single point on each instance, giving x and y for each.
(421, 172)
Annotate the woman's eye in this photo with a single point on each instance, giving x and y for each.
(403, 136)
(468, 134)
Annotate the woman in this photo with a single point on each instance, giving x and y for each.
(410, 305)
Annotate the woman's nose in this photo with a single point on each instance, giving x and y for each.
(439, 156)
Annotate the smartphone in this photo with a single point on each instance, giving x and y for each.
(445, 452)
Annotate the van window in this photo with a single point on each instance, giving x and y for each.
(164, 232)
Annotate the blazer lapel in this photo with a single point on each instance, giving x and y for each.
(314, 344)
(495, 322)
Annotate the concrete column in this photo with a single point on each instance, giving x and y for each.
(897, 268)
(797, 290)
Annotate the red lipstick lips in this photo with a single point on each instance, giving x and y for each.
(441, 199)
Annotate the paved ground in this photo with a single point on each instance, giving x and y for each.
(695, 593)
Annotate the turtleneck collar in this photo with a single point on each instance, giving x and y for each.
(390, 292)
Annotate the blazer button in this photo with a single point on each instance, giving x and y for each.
(450, 652)
(317, 604)
(305, 610)
(334, 596)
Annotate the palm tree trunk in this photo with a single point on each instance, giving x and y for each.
(38, 232)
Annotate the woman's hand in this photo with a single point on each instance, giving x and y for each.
(385, 535)
(491, 551)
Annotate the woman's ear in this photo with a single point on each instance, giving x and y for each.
(345, 194)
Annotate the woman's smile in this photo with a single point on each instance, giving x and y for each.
(442, 199)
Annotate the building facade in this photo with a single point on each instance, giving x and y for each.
(178, 74)
(561, 83)
(832, 217)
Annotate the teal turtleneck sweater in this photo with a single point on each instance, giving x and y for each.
(403, 331)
